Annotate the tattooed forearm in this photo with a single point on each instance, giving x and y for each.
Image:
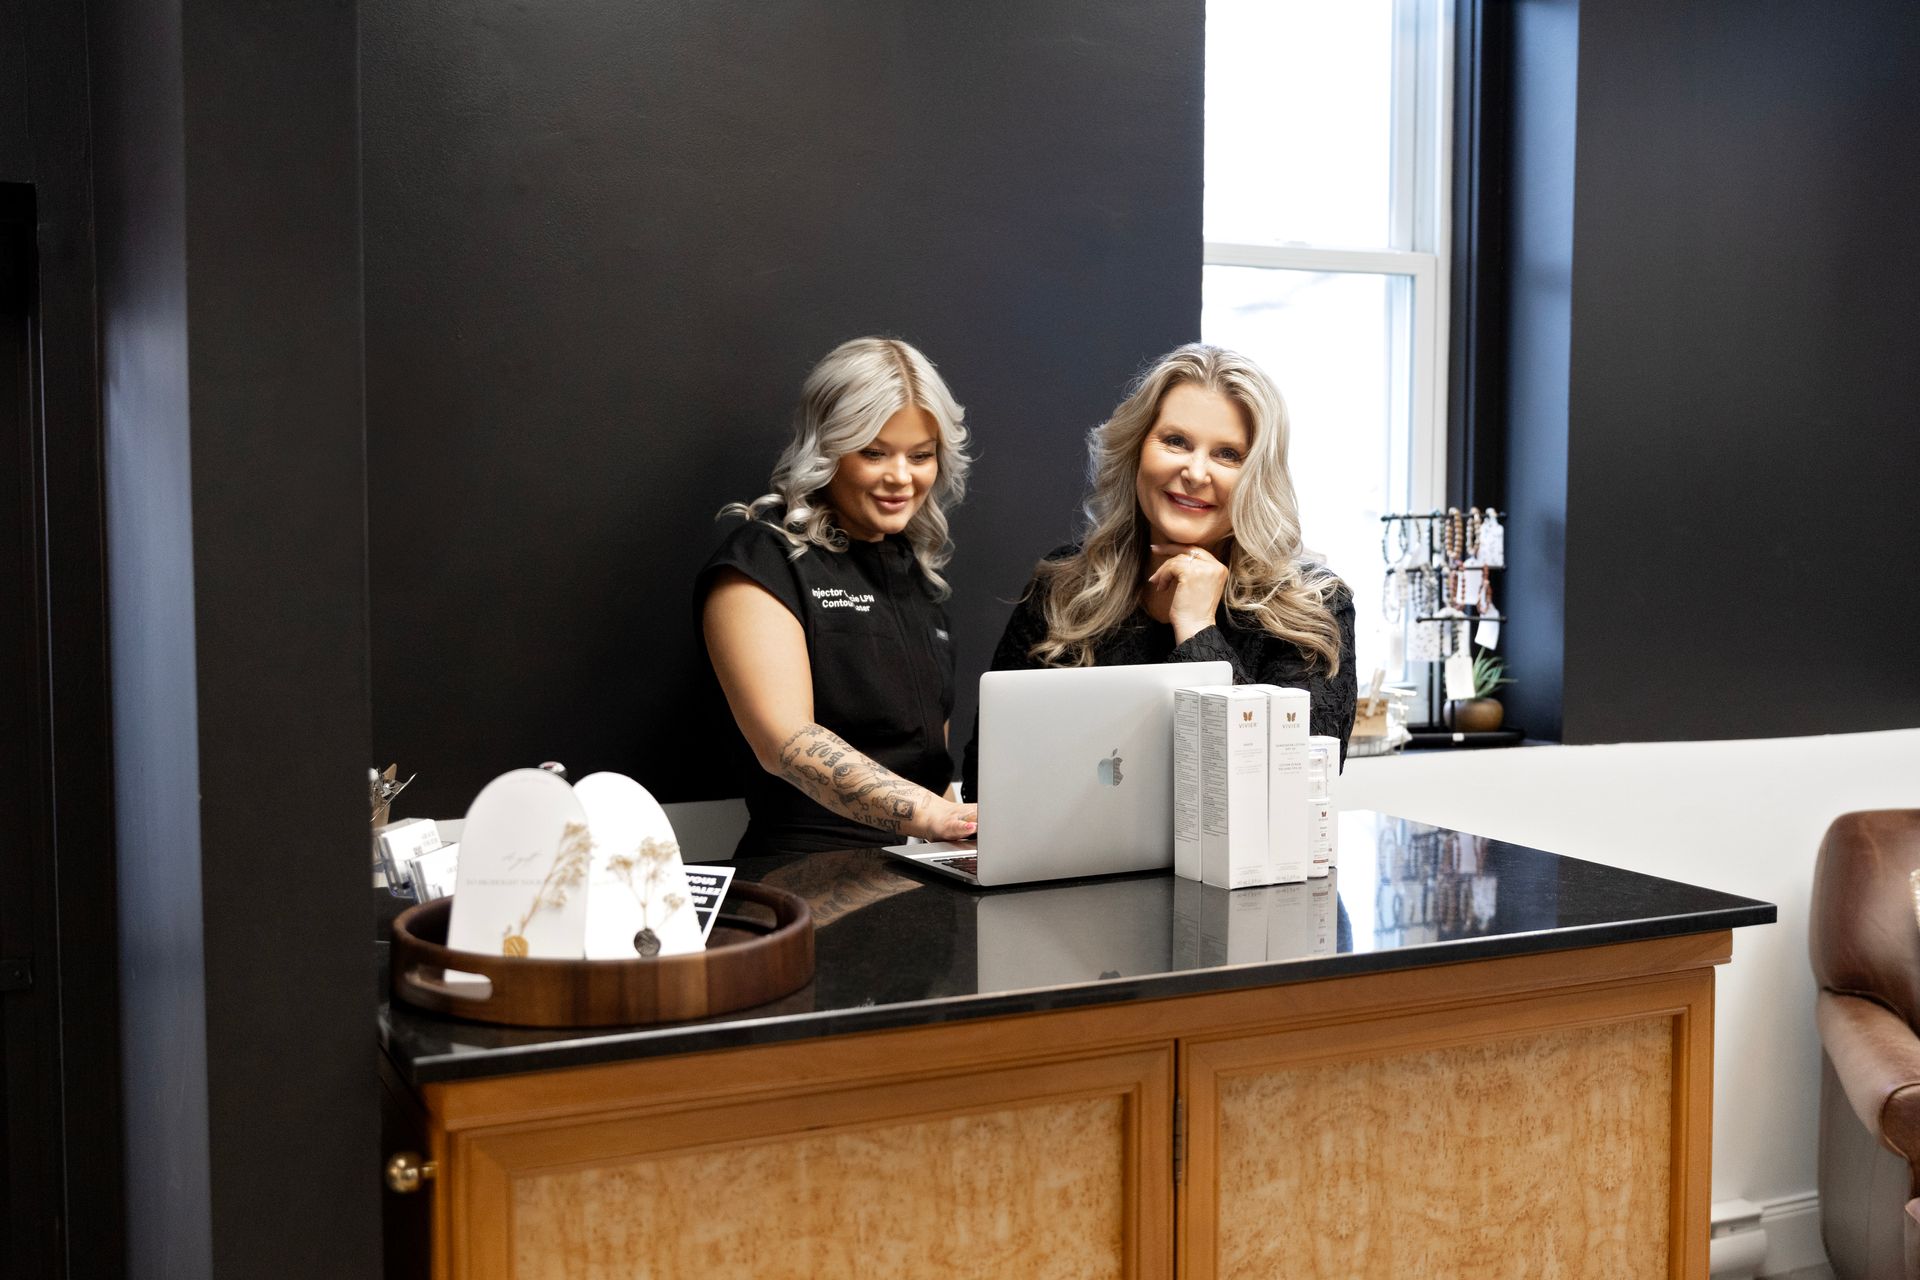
(820, 763)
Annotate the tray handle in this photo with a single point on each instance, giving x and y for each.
(477, 989)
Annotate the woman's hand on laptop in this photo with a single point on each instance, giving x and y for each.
(945, 820)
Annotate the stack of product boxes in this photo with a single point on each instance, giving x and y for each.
(1252, 797)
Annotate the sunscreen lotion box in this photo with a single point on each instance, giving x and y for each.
(1233, 786)
(1288, 711)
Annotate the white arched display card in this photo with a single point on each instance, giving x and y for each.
(638, 902)
(521, 885)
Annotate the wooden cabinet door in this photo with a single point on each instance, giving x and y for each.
(900, 1167)
(1549, 1137)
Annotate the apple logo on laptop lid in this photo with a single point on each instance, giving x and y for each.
(1108, 770)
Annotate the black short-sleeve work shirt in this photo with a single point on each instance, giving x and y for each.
(882, 661)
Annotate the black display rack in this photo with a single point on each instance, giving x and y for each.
(1437, 560)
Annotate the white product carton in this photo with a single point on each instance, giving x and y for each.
(1323, 838)
(1323, 766)
(1186, 783)
(1233, 786)
(1288, 711)
(1323, 825)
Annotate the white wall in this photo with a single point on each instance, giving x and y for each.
(1744, 817)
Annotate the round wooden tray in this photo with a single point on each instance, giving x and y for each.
(748, 961)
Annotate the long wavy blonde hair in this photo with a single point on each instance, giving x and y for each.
(1090, 593)
(846, 401)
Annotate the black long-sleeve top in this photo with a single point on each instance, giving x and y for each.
(1258, 657)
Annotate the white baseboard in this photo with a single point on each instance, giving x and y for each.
(1793, 1233)
(1767, 1238)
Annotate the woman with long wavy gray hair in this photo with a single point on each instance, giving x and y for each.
(822, 610)
(1192, 549)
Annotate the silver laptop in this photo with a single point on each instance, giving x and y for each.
(1076, 774)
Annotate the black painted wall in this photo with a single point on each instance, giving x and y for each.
(1536, 342)
(58, 1022)
(225, 145)
(604, 246)
(1740, 455)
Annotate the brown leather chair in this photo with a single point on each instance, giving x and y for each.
(1865, 947)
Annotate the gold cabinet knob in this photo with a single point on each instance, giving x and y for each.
(406, 1171)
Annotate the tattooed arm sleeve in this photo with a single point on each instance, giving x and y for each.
(821, 763)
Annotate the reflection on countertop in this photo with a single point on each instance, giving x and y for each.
(894, 948)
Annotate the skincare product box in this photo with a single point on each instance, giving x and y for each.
(1233, 786)
(1288, 711)
(1323, 824)
(1186, 783)
(1323, 766)
(1323, 833)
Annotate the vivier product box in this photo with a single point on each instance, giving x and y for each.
(1323, 824)
(1233, 786)
(1186, 783)
(1323, 838)
(1288, 711)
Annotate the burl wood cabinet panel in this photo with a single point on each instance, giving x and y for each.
(1030, 1171)
(1546, 1139)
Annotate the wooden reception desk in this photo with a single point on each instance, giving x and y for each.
(1459, 1052)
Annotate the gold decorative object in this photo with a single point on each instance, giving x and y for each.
(567, 871)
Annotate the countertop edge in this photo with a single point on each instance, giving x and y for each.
(630, 1044)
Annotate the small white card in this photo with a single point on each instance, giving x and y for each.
(638, 901)
(521, 885)
(403, 841)
(432, 873)
(1459, 677)
(709, 885)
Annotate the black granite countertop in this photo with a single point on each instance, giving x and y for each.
(897, 948)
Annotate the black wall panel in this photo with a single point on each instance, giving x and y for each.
(1536, 342)
(1742, 460)
(230, 335)
(604, 246)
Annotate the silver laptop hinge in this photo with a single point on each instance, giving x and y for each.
(1179, 1139)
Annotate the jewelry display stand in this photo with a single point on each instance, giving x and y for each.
(761, 948)
(1439, 586)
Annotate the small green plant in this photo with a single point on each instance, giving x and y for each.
(1489, 673)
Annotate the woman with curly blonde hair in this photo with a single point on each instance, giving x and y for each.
(1192, 551)
(822, 610)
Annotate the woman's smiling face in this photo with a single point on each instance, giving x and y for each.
(877, 489)
(1189, 464)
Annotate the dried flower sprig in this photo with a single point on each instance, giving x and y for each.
(567, 871)
(640, 871)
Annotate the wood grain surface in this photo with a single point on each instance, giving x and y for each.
(1537, 1157)
(958, 1196)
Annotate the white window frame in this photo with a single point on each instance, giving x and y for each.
(1420, 231)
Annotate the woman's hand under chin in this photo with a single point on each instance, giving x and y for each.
(1185, 590)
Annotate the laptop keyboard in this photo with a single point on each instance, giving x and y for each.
(967, 862)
